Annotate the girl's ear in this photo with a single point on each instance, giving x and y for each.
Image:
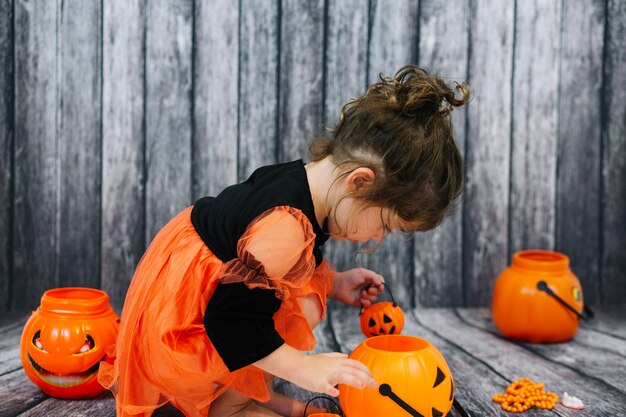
(359, 178)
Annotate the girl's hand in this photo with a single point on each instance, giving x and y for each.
(357, 287)
(321, 372)
(318, 373)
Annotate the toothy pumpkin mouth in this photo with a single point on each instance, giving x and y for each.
(382, 332)
(65, 381)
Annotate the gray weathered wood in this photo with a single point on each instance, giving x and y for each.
(393, 23)
(12, 318)
(168, 82)
(214, 157)
(613, 262)
(229, 87)
(345, 69)
(79, 143)
(345, 56)
(598, 358)
(534, 126)
(123, 220)
(611, 321)
(101, 406)
(18, 393)
(36, 222)
(486, 217)
(443, 41)
(301, 77)
(578, 170)
(602, 341)
(258, 89)
(345, 78)
(10, 347)
(514, 361)
(6, 150)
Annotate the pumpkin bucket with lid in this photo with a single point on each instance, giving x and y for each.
(66, 338)
(537, 298)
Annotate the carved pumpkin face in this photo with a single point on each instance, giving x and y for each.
(64, 341)
(382, 318)
(413, 376)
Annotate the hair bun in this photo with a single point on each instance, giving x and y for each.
(400, 129)
(418, 93)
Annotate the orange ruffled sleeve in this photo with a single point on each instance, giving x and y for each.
(275, 252)
(290, 321)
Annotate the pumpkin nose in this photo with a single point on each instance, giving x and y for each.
(62, 341)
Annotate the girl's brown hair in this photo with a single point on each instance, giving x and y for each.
(401, 129)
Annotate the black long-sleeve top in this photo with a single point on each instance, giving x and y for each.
(239, 320)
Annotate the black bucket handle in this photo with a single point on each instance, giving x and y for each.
(585, 315)
(322, 397)
(393, 300)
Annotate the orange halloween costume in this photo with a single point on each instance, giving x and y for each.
(163, 352)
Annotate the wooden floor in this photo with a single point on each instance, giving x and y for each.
(592, 366)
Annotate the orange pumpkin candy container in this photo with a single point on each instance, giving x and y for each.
(65, 339)
(381, 318)
(538, 298)
(413, 376)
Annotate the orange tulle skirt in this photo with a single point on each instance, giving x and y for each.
(163, 353)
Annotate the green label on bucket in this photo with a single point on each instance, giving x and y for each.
(576, 293)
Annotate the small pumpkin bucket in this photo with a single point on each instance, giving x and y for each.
(538, 299)
(66, 338)
(382, 317)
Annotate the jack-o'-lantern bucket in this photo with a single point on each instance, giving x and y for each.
(66, 338)
(382, 318)
(537, 298)
(413, 379)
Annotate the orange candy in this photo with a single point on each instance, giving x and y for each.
(524, 394)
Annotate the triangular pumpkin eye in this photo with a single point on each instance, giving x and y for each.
(436, 413)
(386, 319)
(440, 377)
(372, 323)
(451, 390)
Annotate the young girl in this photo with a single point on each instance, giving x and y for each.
(228, 292)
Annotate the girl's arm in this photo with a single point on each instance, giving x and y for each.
(317, 373)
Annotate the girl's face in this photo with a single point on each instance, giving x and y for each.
(349, 222)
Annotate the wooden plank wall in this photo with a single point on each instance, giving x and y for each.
(123, 222)
(116, 115)
(6, 151)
